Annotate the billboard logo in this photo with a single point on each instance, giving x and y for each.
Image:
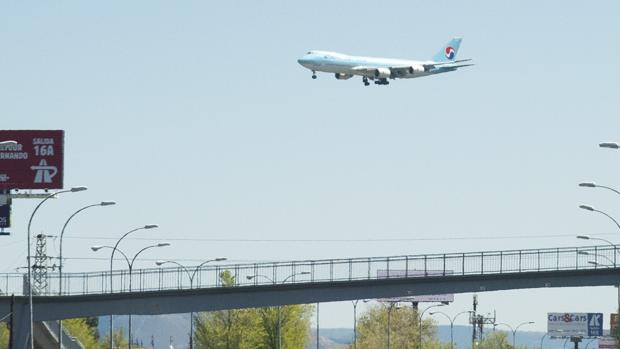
(44, 173)
(595, 320)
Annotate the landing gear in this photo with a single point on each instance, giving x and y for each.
(365, 81)
(313, 74)
(382, 82)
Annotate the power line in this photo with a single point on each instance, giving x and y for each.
(243, 240)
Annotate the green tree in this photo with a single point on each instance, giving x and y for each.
(119, 340)
(294, 325)
(4, 335)
(252, 328)
(80, 329)
(495, 340)
(227, 329)
(404, 329)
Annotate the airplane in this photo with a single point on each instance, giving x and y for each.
(381, 69)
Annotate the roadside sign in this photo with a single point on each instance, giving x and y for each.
(399, 273)
(575, 324)
(31, 159)
(5, 216)
(607, 343)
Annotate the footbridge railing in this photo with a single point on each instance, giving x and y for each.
(325, 270)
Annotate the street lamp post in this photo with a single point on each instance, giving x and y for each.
(587, 237)
(451, 323)
(191, 285)
(250, 277)
(594, 185)
(392, 306)
(355, 323)
(592, 209)
(596, 255)
(60, 266)
(148, 226)
(514, 331)
(420, 320)
(130, 266)
(30, 306)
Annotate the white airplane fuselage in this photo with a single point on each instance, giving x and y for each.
(333, 62)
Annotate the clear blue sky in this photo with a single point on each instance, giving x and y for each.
(196, 116)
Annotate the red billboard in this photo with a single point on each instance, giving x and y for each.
(31, 159)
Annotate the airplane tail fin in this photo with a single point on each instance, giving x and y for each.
(448, 51)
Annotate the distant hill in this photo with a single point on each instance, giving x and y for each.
(164, 329)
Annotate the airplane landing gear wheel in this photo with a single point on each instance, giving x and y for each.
(365, 81)
(313, 75)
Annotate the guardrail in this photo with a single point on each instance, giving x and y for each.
(325, 270)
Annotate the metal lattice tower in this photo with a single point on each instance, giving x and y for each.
(40, 266)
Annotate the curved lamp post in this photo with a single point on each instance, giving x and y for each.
(420, 320)
(588, 237)
(514, 331)
(146, 227)
(130, 265)
(30, 307)
(191, 285)
(451, 322)
(391, 307)
(592, 209)
(62, 234)
(594, 185)
(596, 255)
(250, 277)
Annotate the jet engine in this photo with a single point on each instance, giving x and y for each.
(382, 73)
(341, 76)
(416, 69)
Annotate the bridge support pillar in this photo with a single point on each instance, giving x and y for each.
(21, 327)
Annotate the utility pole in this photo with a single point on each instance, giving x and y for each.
(12, 322)
(478, 321)
(41, 265)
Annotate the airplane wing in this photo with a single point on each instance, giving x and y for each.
(363, 71)
(373, 72)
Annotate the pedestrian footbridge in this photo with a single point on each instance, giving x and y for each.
(171, 290)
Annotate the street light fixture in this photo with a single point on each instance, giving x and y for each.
(594, 185)
(130, 265)
(191, 285)
(514, 331)
(451, 322)
(60, 266)
(255, 276)
(587, 253)
(611, 145)
(30, 305)
(590, 208)
(420, 319)
(146, 227)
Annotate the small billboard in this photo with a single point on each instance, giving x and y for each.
(31, 159)
(607, 343)
(5, 216)
(399, 273)
(575, 324)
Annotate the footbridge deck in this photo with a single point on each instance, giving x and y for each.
(169, 290)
